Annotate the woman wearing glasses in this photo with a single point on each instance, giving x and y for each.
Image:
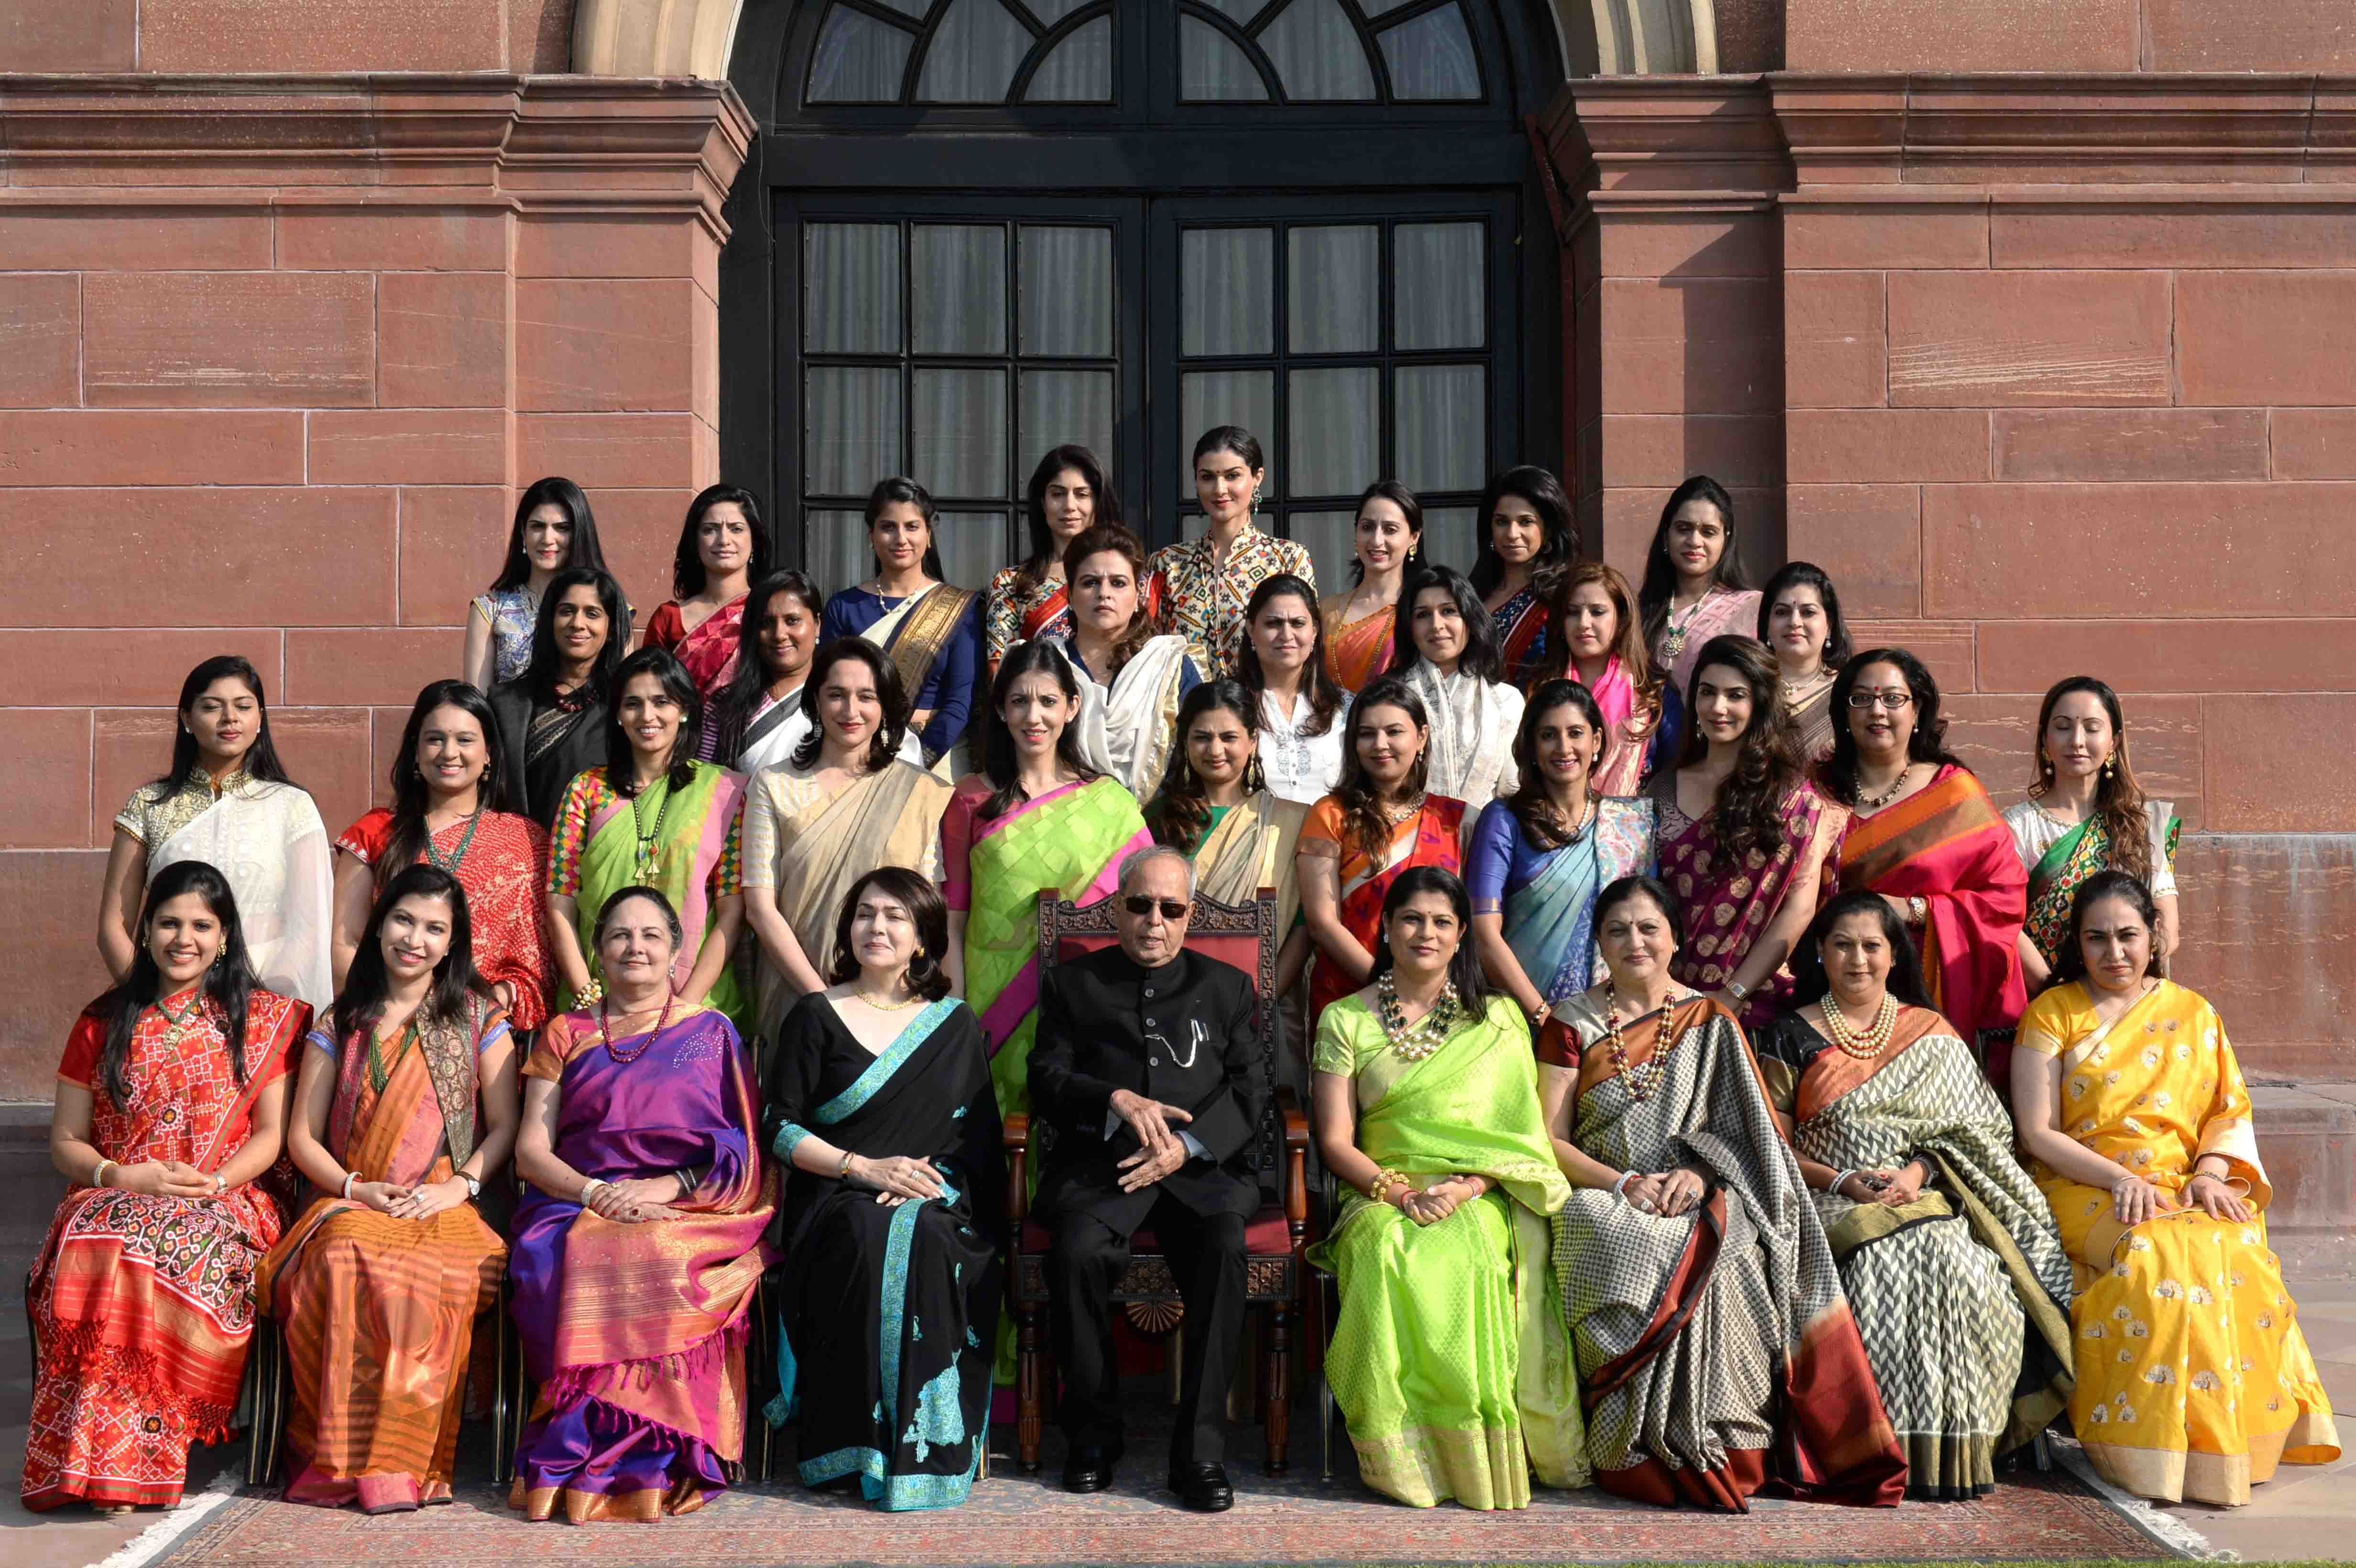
(1924, 835)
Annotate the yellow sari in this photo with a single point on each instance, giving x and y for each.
(2193, 1378)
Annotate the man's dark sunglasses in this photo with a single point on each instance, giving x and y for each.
(1141, 905)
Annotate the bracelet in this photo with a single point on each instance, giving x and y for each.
(349, 1177)
(1538, 1019)
(590, 994)
(1385, 1183)
(1918, 911)
(687, 1183)
(1737, 990)
(1839, 1182)
(844, 1173)
(220, 1183)
(591, 1185)
(1620, 1188)
(98, 1177)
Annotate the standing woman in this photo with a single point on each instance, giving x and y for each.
(1597, 641)
(1743, 834)
(1695, 586)
(2194, 1379)
(1448, 655)
(759, 714)
(655, 817)
(1924, 834)
(446, 780)
(842, 804)
(1068, 493)
(1037, 817)
(1355, 842)
(2084, 813)
(1132, 681)
(881, 1106)
(553, 529)
(1359, 623)
(1527, 542)
(553, 718)
(171, 1100)
(1302, 709)
(930, 630)
(722, 549)
(1539, 856)
(1800, 619)
(228, 802)
(1208, 583)
(406, 1108)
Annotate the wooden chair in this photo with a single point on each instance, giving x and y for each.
(1247, 937)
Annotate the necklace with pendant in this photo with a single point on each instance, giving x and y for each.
(1428, 1033)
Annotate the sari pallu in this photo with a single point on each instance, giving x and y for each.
(1013, 613)
(1635, 732)
(636, 1332)
(1729, 903)
(1961, 1296)
(916, 634)
(2054, 879)
(709, 652)
(1697, 1335)
(1127, 728)
(142, 1306)
(890, 1314)
(1432, 837)
(1357, 651)
(378, 1313)
(1521, 625)
(267, 840)
(1450, 1359)
(1474, 722)
(1549, 921)
(1252, 848)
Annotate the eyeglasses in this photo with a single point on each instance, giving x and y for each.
(1140, 905)
(1893, 699)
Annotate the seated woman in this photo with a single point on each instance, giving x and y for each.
(2194, 1379)
(1539, 856)
(1703, 1302)
(1449, 1359)
(406, 1108)
(844, 803)
(1447, 653)
(636, 1246)
(1596, 640)
(1961, 1287)
(894, 1213)
(1132, 681)
(171, 1100)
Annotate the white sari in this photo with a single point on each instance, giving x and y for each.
(267, 840)
(1474, 723)
(1125, 730)
(776, 728)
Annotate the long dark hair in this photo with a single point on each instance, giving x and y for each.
(539, 679)
(1746, 813)
(686, 574)
(1398, 496)
(1324, 693)
(260, 759)
(1532, 806)
(1361, 810)
(1111, 539)
(1180, 812)
(1806, 574)
(366, 987)
(1811, 984)
(621, 770)
(901, 490)
(928, 911)
(408, 792)
(748, 684)
(2069, 964)
(557, 491)
(1106, 507)
(1464, 971)
(997, 741)
(1544, 492)
(229, 984)
(2118, 798)
(1928, 743)
(1661, 573)
(886, 743)
(1483, 659)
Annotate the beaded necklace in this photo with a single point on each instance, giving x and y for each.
(1643, 1080)
(605, 1030)
(646, 841)
(455, 857)
(1428, 1033)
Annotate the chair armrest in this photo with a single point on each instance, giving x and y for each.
(1296, 1163)
(1016, 1137)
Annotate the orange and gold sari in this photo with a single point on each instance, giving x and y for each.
(1357, 651)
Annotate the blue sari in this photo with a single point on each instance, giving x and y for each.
(1546, 897)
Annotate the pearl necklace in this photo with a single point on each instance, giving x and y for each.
(1644, 1081)
(1428, 1033)
(1867, 1043)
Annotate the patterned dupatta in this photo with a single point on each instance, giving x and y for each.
(390, 1120)
(1548, 921)
(695, 824)
(1049, 614)
(709, 651)
(1432, 837)
(2077, 855)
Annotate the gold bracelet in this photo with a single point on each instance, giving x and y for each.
(1380, 1191)
(844, 1174)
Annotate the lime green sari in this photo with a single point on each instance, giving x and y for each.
(1450, 1359)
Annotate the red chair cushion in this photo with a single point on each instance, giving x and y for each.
(1266, 1235)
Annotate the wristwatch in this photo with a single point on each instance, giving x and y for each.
(473, 1188)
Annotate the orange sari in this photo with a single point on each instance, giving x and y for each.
(1357, 651)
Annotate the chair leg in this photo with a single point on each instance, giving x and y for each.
(1276, 1384)
(265, 1380)
(505, 1416)
(1030, 1391)
(2042, 1448)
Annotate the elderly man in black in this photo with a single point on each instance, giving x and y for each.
(1148, 1068)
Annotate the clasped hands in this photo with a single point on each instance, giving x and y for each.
(1431, 1205)
(1893, 1187)
(2134, 1200)
(636, 1201)
(421, 1201)
(1667, 1193)
(1161, 1152)
(896, 1179)
(162, 1179)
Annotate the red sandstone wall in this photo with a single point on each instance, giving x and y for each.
(278, 35)
(2067, 35)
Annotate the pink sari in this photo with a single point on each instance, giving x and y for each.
(1628, 728)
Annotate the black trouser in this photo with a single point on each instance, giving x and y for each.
(1085, 1262)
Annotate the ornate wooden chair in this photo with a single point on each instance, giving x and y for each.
(1245, 936)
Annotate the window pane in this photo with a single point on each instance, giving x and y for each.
(1431, 57)
(959, 433)
(850, 295)
(973, 546)
(1442, 426)
(960, 302)
(1448, 536)
(1066, 291)
(835, 550)
(1210, 397)
(1331, 447)
(1329, 536)
(973, 55)
(1317, 53)
(1241, 10)
(1226, 290)
(851, 429)
(1048, 13)
(859, 59)
(1061, 406)
(1381, 7)
(1211, 69)
(919, 9)
(1440, 288)
(1332, 278)
(1079, 70)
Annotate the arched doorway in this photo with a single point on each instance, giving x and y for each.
(974, 228)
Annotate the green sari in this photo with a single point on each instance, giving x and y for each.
(1450, 1360)
(2070, 859)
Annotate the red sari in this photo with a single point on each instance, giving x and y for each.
(709, 652)
(504, 870)
(143, 1306)
(1432, 837)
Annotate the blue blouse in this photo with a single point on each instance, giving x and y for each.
(1190, 675)
(949, 689)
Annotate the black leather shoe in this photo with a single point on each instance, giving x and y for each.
(1203, 1488)
(1088, 1470)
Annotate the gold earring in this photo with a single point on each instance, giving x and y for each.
(919, 954)
(2106, 769)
